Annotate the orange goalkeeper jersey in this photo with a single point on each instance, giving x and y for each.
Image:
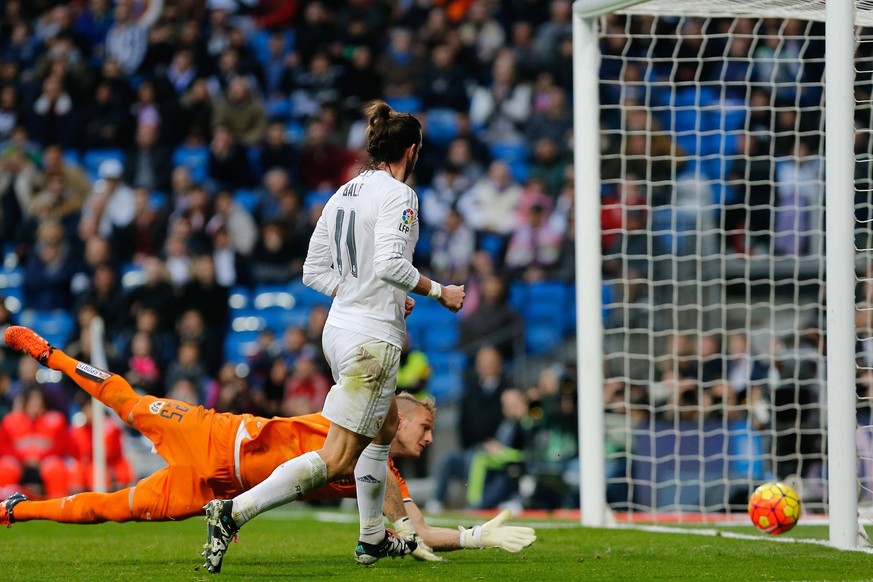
(276, 440)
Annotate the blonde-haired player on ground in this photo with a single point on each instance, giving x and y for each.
(241, 450)
(361, 255)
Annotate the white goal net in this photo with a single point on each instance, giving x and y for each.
(712, 126)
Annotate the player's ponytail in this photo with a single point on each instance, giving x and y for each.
(389, 133)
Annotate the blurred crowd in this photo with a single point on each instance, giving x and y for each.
(192, 143)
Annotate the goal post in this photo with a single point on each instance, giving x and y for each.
(695, 129)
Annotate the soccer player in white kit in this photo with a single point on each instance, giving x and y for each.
(361, 255)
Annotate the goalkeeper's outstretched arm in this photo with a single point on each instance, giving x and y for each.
(408, 520)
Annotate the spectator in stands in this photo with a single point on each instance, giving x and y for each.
(119, 473)
(799, 190)
(92, 25)
(497, 466)
(105, 120)
(749, 376)
(74, 177)
(155, 293)
(400, 64)
(228, 392)
(552, 453)
(104, 292)
(196, 114)
(552, 119)
(502, 107)
(452, 247)
(360, 82)
(273, 259)
(550, 33)
(148, 164)
(235, 221)
(187, 367)
(228, 164)
(442, 84)
(480, 416)
(315, 30)
(109, 208)
(33, 446)
(11, 112)
(52, 117)
(241, 113)
(490, 205)
(277, 152)
(48, 273)
(322, 163)
(204, 295)
(306, 388)
(127, 39)
(493, 323)
(535, 244)
(19, 179)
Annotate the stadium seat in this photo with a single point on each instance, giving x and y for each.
(447, 375)
(11, 290)
(411, 104)
(441, 338)
(442, 125)
(307, 296)
(196, 159)
(542, 337)
(158, 201)
(514, 154)
(239, 345)
(93, 158)
(248, 199)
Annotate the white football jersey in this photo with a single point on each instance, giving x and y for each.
(363, 246)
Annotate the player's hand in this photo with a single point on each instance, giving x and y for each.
(403, 528)
(494, 534)
(452, 297)
(408, 307)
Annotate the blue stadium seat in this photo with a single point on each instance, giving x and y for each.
(56, 326)
(514, 154)
(93, 158)
(447, 375)
(542, 337)
(441, 338)
(11, 290)
(307, 296)
(248, 199)
(196, 159)
(442, 125)
(158, 201)
(239, 345)
(411, 104)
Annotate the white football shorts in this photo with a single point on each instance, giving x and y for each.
(365, 376)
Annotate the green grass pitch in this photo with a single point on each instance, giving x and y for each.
(294, 545)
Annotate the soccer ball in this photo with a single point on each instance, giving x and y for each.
(774, 508)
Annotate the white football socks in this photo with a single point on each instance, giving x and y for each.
(288, 482)
(371, 471)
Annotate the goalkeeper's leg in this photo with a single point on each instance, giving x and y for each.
(110, 389)
(80, 508)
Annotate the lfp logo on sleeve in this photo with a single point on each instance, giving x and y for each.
(406, 220)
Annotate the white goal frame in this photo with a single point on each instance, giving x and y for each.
(839, 16)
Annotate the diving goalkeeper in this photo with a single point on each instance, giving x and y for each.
(219, 455)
